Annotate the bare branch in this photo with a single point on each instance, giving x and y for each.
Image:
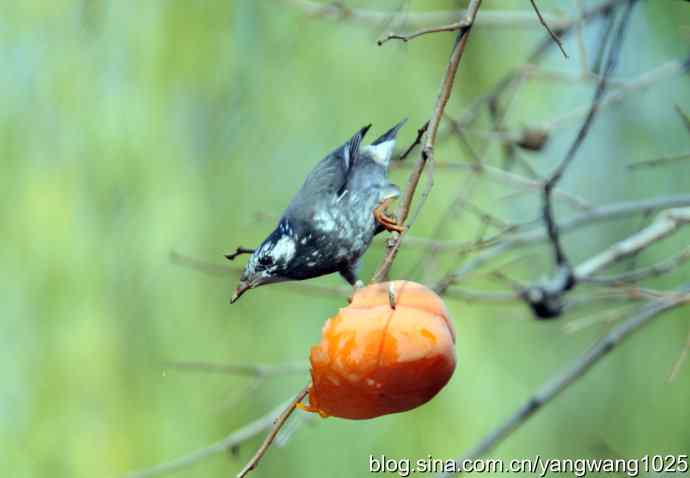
(416, 142)
(553, 35)
(546, 298)
(211, 268)
(577, 370)
(430, 136)
(515, 75)
(623, 90)
(683, 116)
(424, 31)
(679, 361)
(248, 370)
(277, 425)
(534, 236)
(662, 161)
(199, 265)
(232, 440)
(645, 80)
(666, 223)
(512, 179)
(238, 252)
(582, 50)
(635, 276)
(493, 18)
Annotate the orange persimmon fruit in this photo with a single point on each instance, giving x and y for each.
(390, 350)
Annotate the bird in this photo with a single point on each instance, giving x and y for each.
(332, 219)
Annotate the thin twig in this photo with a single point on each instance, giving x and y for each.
(231, 441)
(277, 425)
(248, 370)
(582, 50)
(416, 142)
(546, 298)
(683, 116)
(424, 31)
(534, 236)
(623, 90)
(430, 136)
(238, 252)
(515, 75)
(662, 161)
(679, 361)
(339, 11)
(645, 80)
(553, 35)
(514, 179)
(213, 269)
(666, 223)
(637, 275)
(577, 370)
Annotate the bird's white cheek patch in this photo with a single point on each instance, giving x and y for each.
(284, 249)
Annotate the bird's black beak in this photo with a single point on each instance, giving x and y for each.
(241, 289)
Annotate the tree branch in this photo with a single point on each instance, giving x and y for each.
(577, 370)
(277, 425)
(534, 236)
(238, 252)
(493, 18)
(232, 440)
(546, 298)
(546, 26)
(248, 370)
(424, 31)
(430, 136)
(416, 142)
(667, 223)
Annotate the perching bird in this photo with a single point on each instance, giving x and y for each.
(332, 219)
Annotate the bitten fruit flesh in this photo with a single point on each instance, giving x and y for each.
(390, 350)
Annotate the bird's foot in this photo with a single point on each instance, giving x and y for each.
(389, 223)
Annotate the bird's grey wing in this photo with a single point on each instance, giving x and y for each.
(329, 177)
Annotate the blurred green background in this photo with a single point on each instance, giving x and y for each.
(132, 129)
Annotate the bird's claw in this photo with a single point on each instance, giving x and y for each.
(389, 223)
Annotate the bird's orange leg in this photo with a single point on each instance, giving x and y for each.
(389, 223)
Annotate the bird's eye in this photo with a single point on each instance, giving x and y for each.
(265, 261)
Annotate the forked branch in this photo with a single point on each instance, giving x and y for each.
(429, 140)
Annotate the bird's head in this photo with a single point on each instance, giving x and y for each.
(269, 262)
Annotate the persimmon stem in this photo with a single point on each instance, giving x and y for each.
(391, 295)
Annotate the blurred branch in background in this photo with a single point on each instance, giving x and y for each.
(497, 238)
(247, 370)
(580, 367)
(230, 442)
(339, 11)
(546, 26)
(546, 298)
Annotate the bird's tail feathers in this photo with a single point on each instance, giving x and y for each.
(356, 140)
(390, 134)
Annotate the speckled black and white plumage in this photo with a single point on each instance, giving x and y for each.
(330, 223)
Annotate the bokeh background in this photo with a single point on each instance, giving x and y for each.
(133, 129)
